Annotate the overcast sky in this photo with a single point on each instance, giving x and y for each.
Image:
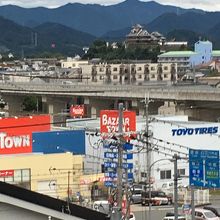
(208, 5)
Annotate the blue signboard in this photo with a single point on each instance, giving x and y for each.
(111, 174)
(204, 168)
(130, 176)
(110, 184)
(126, 146)
(111, 163)
(115, 165)
(114, 175)
(113, 155)
(59, 142)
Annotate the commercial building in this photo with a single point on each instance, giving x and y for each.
(168, 135)
(49, 174)
(48, 162)
(176, 135)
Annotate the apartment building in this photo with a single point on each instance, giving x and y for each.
(185, 60)
(129, 73)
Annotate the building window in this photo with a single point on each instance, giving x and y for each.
(101, 69)
(165, 76)
(139, 76)
(165, 174)
(152, 76)
(101, 77)
(115, 69)
(181, 172)
(152, 68)
(115, 77)
(139, 68)
(165, 67)
(21, 177)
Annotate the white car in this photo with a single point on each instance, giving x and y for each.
(204, 214)
(132, 217)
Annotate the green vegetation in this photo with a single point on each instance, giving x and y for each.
(30, 103)
(99, 49)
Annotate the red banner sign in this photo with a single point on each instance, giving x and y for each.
(6, 173)
(77, 111)
(109, 121)
(16, 133)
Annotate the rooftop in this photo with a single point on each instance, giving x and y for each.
(178, 54)
(216, 53)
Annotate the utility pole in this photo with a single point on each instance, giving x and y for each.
(148, 154)
(192, 203)
(175, 158)
(120, 159)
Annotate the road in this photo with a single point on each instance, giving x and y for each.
(157, 213)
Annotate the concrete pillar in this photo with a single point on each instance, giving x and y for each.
(169, 108)
(96, 105)
(55, 106)
(14, 104)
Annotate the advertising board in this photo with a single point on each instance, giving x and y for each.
(109, 121)
(16, 133)
(77, 111)
(6, 173)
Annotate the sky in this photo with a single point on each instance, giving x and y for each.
(207, 5)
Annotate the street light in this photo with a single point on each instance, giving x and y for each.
(174, 160)
(149, 183)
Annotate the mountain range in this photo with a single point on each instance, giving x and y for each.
(70, 27)
(92, 18)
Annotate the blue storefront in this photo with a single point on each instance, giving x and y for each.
(59, 142)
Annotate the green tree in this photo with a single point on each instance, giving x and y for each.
(30, 103)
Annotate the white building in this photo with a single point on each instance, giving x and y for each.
(170, 135)
(203, 53)
(177, 135)
(72, 62)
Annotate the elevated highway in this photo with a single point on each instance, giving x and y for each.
(159, 92)
(195, 100)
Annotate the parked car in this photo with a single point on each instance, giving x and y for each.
(136, 195)
(214, 209)
(204, 214)
(157, 198)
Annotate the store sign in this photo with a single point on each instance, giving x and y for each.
(109, 121)
(77, 111)
(194, 131)
(6, 173)
(16, 133)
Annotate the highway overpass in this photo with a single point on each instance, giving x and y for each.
(167, 98)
